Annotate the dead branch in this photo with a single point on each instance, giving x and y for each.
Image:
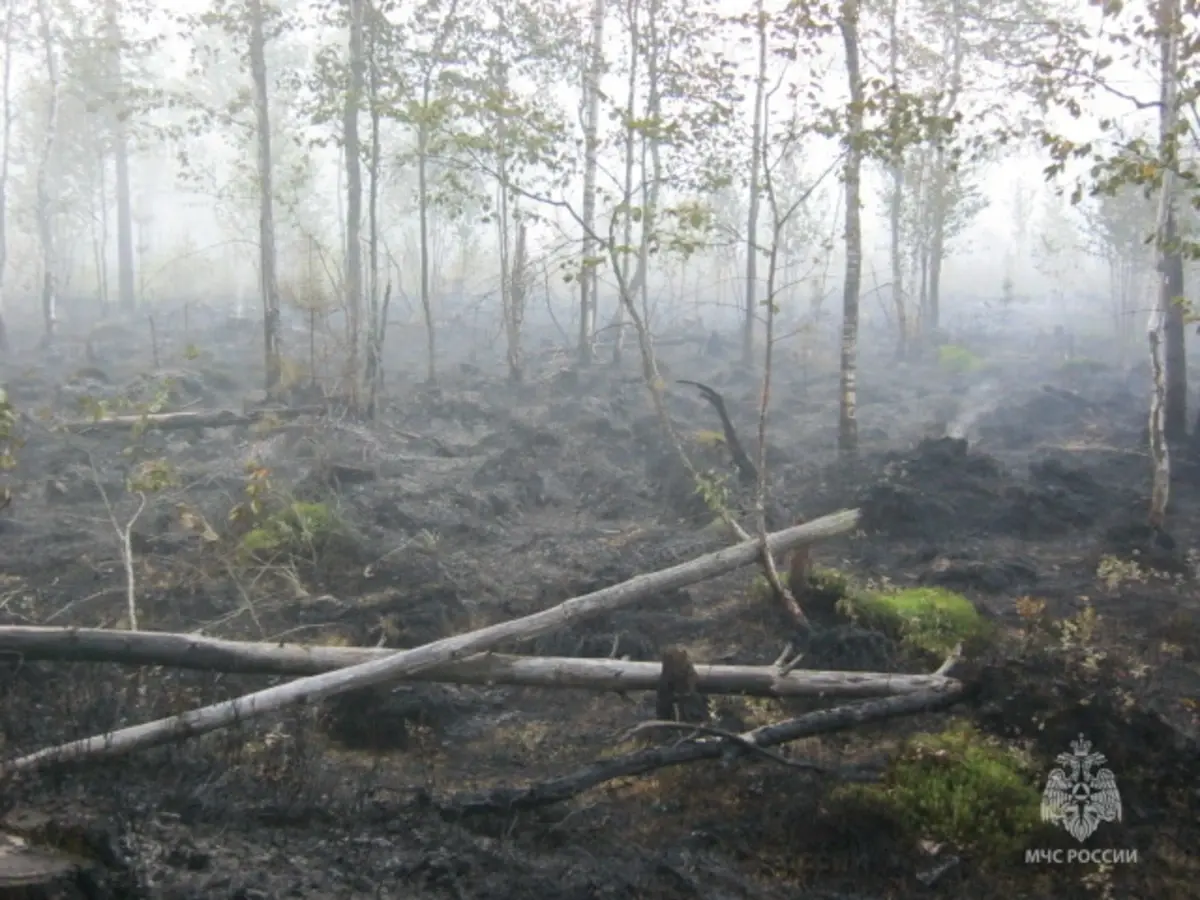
(125, 536)
(697, 730)
(190, 651)
(407, 662)
(825, 721)
(221, 418)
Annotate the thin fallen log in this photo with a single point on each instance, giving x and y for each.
(23, 866)
(220, 418)
(190, 651)
(407, 662)
(825, 721)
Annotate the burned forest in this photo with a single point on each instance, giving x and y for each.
(544, 449)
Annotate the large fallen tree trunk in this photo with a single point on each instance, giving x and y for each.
(221, 418)
(452, 649)
(190, 651)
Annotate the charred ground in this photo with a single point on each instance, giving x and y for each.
(478, 501)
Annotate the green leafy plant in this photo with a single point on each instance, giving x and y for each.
(256, 491)
(152, 476)
(159, 400)
(268, 526)
(296, 529)
(10, 442)
(713, 489)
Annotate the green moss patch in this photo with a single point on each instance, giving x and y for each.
(932, 620)
(959, 787)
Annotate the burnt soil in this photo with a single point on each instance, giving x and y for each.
(477, 501)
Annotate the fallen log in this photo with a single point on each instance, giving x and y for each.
(24, 866)
(220, 418)
(407, 662)
(824, 721)
(192, 651)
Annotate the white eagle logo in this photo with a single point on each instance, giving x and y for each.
(1080, 795)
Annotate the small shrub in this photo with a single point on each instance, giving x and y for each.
(297, 529)
(10, 441)
(958, 360)
(959, 787)
(932, 620)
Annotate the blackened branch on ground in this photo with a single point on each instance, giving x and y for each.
(640, 762)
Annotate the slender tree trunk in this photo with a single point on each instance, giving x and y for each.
(651, 143)
(376, 313)
(1175, 330)
(126, 293)
(423, 225)
(1170, 252)
(847, 419)
(45, 215)
(933, 272)
(896, 196)
(272, 354)
(98, 209)
(636, 286)
(1169, 278)
(940, 204)
(429, 87)
(517, 294)
(353, 150)
(7, 113)
(126, 276)
(588, 279)
(102, 220)
(512, 263)
(760, 88)
(511, 305)
(622, 257)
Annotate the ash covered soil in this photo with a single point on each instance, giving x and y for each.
(477, 501)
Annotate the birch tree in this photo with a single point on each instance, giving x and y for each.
(895, 167)
(377, 306)
(749, 310)
(352, 155)
(589, 281)
(642, 150)
(1158, 157)
(429, 106)
(272, 353)
(1170, 251)
(1168, 408)
(118, 115)
(848, 393)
